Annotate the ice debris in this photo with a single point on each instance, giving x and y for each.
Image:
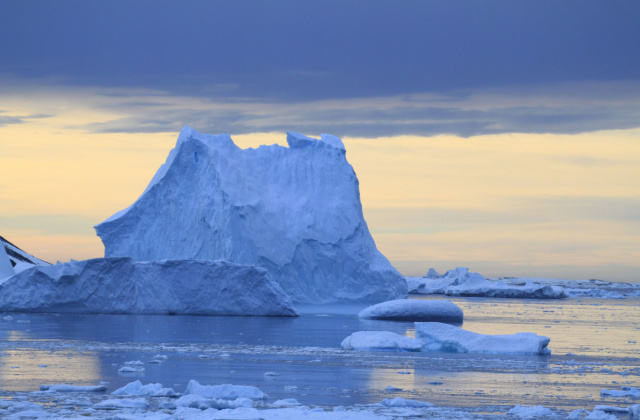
(623, 392)
(122, 285)
(293, 210)
(414, 310)
(447, 338)
(530, 412)
(72, 388)
(150, 390)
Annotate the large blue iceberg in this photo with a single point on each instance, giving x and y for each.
(293, 210)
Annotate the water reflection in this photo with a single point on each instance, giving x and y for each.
(25, 369)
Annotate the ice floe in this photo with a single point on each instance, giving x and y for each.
(73, 388)
(414, 310)
(381, 341)
(437, 336)
(530, 412)
(623, 392)
(150, 390)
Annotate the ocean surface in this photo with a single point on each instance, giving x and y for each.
(594, 344)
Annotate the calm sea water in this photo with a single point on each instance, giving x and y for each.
(594, 346)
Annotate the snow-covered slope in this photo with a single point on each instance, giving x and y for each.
(18, 256)
(122, 285)
(293, 210)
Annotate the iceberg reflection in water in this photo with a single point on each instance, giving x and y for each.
(592, 343)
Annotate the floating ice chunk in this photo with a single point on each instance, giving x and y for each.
(611, 409)
(625, 391)
(447, 338)
(390, 388)
(226, 391)
(72, 388)
(287, 402)
(414, 310)
(122, 285)
(150, 390)
(600, 415)
(134, 366)
(401, 402)
(138, 403)
(381, 341)
(530, 412)
(294, 210)
(202, 403)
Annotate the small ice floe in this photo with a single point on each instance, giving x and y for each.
(401, 402)
(380, 341)
(271, 374)
(149, 390)
(530, 412)
(446, 338)
(7, 318)
(158, 358)
(414, 310)
(225, 391)
(138, 403)
(72, 388)
(287, 402)
(391, 388)
(624, 392)
(611, 409)
(134, 366)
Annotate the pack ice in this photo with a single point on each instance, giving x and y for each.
(293, 210)
(122, 285)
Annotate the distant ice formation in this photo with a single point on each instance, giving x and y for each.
(293, 210)
(122, 285)
(414, 310)
(460, 282)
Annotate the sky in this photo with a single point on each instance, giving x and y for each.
(497, 135)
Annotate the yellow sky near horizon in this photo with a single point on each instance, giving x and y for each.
(507, 204)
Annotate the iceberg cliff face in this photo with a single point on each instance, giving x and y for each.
(124, 286)
(293, 210)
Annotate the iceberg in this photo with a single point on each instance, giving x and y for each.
(447, 338)
(380, 341)
(293, 210)
(414, 310)
(125, 286)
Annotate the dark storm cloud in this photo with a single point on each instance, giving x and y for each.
(287, 52)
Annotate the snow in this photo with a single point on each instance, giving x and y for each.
(460, 282)
(624, 392)
(381, 341)
(72, 388)
(530, 412)
(447, 338)
(293, 210)
(6, 269)
(122, 285)
(414, 310)
(150, 390)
